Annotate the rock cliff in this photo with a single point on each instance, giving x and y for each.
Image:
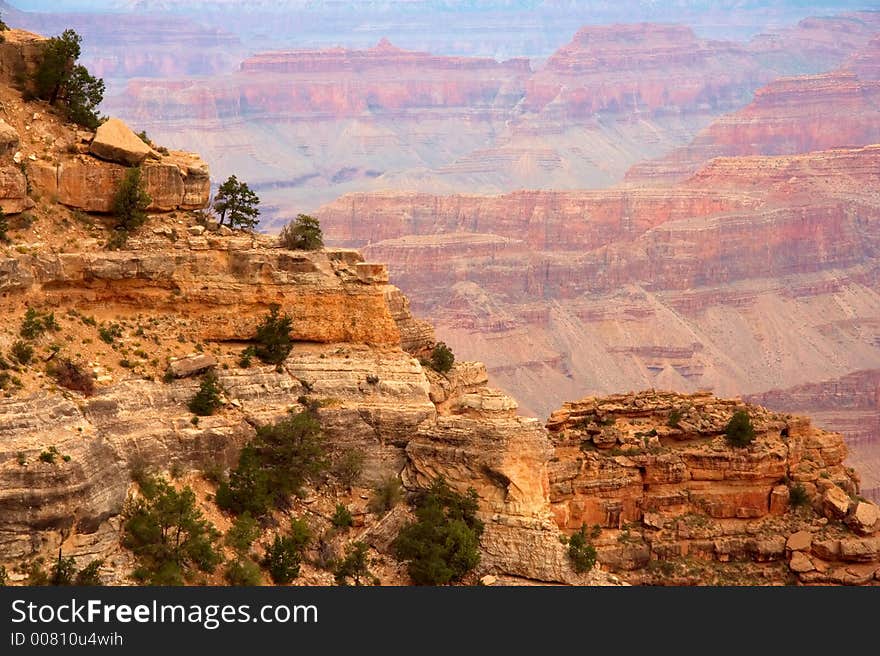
(676, 504)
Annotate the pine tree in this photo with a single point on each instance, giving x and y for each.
(60, 80)
(237, 205)
(131, 201)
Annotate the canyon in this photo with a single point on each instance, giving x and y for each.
(305, 126)
(755, 270)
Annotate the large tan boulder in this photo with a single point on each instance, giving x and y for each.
(866, 518)
(115, 142)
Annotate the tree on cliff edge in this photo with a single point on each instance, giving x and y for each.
(61, 81)
(237, 205)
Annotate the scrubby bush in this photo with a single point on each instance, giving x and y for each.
(349, 466)
(90, 574)
(63, 571)
(207, 400)
(674, 418)
(442, 358)
(272, 342)
(130, 203)
(36, 323)
(168, 534)
(355, 567)
(442, 545)
(581, 551)
(739, 431)
(4, 226)
(302, 234)
(284, 555)
(72, 376)
(242, 572)
(275, 464)
(798, 496)
(387, 495)
(342, 517)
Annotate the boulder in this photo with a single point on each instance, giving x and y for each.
(13, 190)
(800, 562)
(192, 365)
(115, 142)
(800, 541)
(836, 502)
(866, 518)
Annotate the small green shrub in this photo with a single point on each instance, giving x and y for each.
(130, 202)
(4, 227)
(284, 556)
(739, 431)
(207, 400)
(349, 466)
(442, 358)
(242, 534)
(49, 455)
(63, 572)
(242, 572)
(272, 340)
(22, 352)
(354, 567)
(90, 574)
(110, 333)
(442, 545)
(581, 551)
(797, 495)
(302, 234)
(275, 464)
(342, 517)
(387, 495)
(36, 323)
(674, 418)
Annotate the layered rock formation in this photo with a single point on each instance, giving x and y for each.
(757, 270)
(676, 504)
(788, 116)
(306, 126)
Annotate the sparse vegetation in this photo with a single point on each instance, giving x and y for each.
(284, 555)
(72, 376)
(739, 431)
(21, 352)
(342, 517)
(49, 455)
(242, 570)
(674, 419)
(272, 340)
(129, 205)
(62, 82)
(4, 227)
(274, 465)
(441, 546)
(441, 359)
(110, 333)
(387, 495)
(355, 567)
(349, 466)
(36, 323)
(797, 495)
(236, 205)
(581, 551)
(207, 400)
(302, 234)
(168, 534)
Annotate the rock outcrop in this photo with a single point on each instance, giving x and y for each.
(676, 503)
(115, 142)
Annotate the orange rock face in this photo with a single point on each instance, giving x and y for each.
(672, 501)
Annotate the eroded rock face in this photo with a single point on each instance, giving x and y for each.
(674, 500)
